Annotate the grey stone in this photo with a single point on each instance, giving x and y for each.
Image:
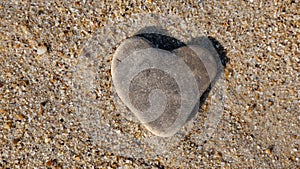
(160, 87)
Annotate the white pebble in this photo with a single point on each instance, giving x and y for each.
(41, 50)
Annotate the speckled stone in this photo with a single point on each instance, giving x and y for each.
(162, 88)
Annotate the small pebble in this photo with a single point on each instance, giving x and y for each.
(152, 82)
(41, 50)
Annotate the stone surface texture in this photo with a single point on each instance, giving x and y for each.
(162, 88)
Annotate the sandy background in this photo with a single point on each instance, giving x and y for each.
(40, 45)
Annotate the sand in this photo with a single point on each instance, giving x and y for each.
(46, 120)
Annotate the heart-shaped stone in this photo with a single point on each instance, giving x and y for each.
(162, 88)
